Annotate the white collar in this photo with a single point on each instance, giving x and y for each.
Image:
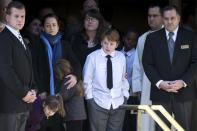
(128, 52)
(104, 54)
(175, 31)
(15, 32)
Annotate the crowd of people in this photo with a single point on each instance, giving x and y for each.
(76, 77)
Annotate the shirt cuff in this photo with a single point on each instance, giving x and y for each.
(158, 83)
(184, 84)
(126, 93)
(88, 96)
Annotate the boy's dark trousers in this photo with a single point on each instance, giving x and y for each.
(130, 121)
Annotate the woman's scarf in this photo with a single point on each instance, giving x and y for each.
(54, 51)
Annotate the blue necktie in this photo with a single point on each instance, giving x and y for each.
(127, 62)
(171, 44)
(109, 72)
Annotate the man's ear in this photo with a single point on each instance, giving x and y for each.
(6, 17)
(179, 17)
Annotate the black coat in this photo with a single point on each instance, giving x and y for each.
(157, 65)
(80, 47)
(16, 77)
(42, 69)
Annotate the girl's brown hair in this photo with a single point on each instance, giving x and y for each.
(55, 103)
(63, 68)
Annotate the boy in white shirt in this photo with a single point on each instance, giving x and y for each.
(106, 89)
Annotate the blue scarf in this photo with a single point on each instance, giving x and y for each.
(54, 51)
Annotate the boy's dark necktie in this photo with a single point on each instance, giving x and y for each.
(171, 44)
(109, 73)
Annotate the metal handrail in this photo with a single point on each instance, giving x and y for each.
(168, 116)
(150, 110)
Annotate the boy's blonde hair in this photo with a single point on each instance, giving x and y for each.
(111, 35)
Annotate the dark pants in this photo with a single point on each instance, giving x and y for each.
(194, 116)
(74, 125)
(182, 112)
(13, 121)
(130, 120)
(86, 123)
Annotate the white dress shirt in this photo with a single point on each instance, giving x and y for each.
(174, 36)
(95, 74)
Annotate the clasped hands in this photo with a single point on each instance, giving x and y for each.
(171, 86)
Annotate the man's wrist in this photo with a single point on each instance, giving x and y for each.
(184, 84)
(158, 83)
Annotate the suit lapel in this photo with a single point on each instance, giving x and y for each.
(19, 44)
(28, 53)
(14, 38)
(177, 45)
(164, 45)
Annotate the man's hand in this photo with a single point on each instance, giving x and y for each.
(30, 97)
(71, 82)
(166, 86)
(176, 85)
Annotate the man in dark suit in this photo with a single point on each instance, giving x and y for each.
(169, 60)
(16, 78)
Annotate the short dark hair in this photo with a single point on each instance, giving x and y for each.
(171, 7)
(155, 5)
(95, 14)
(50, 16)
(14, 4)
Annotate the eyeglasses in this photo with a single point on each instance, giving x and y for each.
(90, 19)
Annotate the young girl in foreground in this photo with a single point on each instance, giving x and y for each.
(39, 119)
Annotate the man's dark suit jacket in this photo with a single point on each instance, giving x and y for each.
(157, 65)
(15, 73)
